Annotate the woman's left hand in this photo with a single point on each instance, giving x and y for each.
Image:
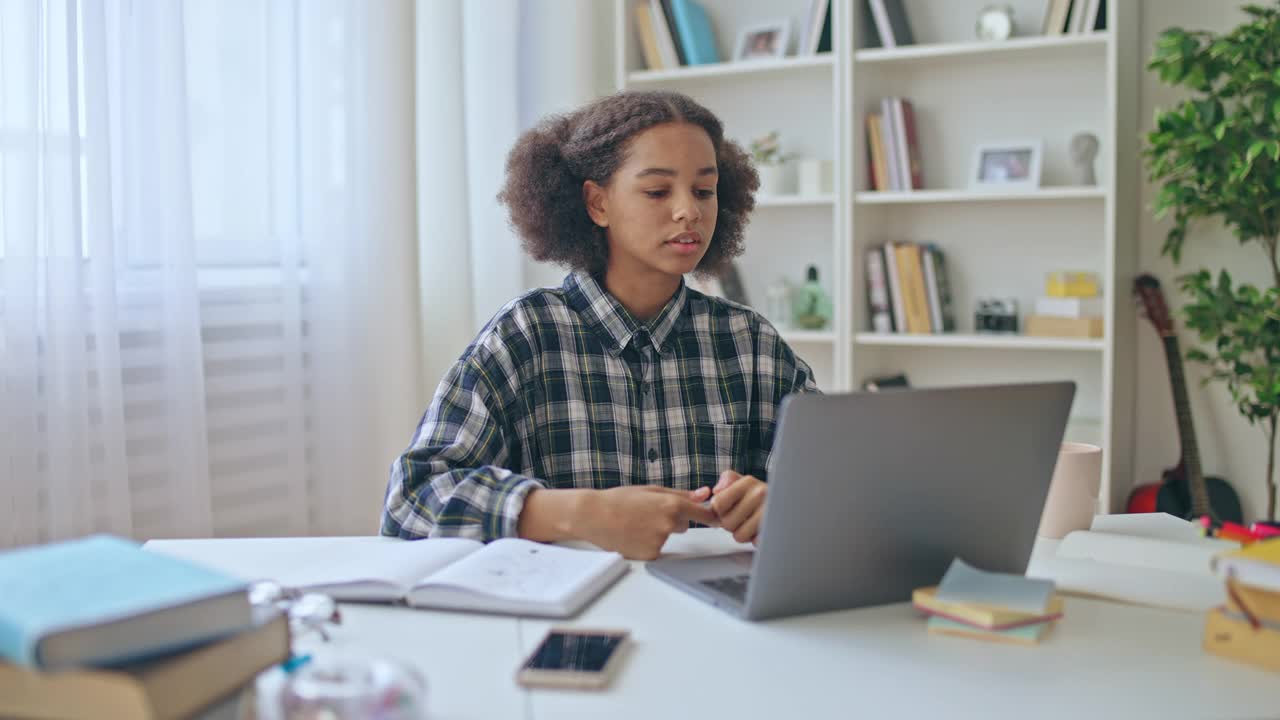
(739, 502)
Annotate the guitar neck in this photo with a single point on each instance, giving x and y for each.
(1186, 428)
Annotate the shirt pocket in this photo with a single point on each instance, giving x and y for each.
(717, 447)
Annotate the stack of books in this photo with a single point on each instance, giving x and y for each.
(908, 290)
(1071, 307)
(673, 33)
(997, 607)
(1073, 17)
(98, 627)
(893, 147)
(1247, 628)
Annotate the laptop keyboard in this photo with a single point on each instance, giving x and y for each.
(735, 586)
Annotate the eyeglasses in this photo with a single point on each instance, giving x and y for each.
(307, 611)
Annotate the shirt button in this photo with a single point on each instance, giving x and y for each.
(653, 455)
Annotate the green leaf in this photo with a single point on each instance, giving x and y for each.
(1254, 150)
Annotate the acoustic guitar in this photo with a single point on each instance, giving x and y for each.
(1184, 491)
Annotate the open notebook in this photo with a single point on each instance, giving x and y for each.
(510, 576)
(1145, 559)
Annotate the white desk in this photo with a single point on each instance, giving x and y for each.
(1103, 660)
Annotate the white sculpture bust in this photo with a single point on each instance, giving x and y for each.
(1084, 148)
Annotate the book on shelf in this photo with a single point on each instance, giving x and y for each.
(878, 303)
(648, 39)
(697, 40)
(102, 600)
(1051, 326)
(507, 576)
(1055, 16)
(173, 686)
(889, 19)
(878, 172)
(664, 34)
(899, 146)
(817, 26)
(914, 298)
(909, 150)
(895, 288)
(941, 311)
(1074, 17)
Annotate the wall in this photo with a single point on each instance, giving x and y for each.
(1229, 447)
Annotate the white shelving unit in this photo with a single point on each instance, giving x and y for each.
(998, 244)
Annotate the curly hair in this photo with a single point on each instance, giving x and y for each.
(549, 164)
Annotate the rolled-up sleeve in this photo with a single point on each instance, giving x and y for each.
(453, 481)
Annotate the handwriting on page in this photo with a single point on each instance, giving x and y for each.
(519, 569)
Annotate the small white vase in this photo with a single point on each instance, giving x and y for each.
(773, 179)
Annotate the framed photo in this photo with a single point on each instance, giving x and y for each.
(763, 41)
(1007, 165)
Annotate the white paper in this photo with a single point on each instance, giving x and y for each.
(522, 570)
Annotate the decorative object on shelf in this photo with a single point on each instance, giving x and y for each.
(996, 315)
(770, 164)
(814, 176)
(812, 304)
(888, 20)
(995, 23)
(763, 41)
(778, 303)
(1071, 284)
(897, 381)
(1007, 165)
(1084, 149)
(1230, 108)
(1052, 326)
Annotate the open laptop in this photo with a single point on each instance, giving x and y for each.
(871, 495)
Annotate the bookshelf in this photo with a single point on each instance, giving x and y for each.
(997, 244)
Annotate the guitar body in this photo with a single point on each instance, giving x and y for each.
(1174, 497)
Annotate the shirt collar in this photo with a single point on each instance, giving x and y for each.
(589, 298)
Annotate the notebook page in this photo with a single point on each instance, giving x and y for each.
(964, 583)
(521, 570)
(323, 562)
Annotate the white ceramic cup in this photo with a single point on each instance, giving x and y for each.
(1073, 491)
(815, 176)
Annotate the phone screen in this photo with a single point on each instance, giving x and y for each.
(574, 652)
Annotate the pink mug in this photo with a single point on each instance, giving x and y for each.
(1073, 492)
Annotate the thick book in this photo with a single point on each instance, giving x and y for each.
(1150, 559)
(1231, 636)
(174, 686)
(817, 22)
(940, 284)
(894, 275)
(1257, 564)
(892, 26)
(664, 34)
(507, 576)
(905, 115)
(893, 144)
(693, 27)
(915, 302)
(875, 151)
(102, 600)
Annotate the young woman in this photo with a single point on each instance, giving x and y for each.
(623, 405)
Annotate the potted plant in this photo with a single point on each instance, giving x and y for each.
(769, 159)
(1217, 155)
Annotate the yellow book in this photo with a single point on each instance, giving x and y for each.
(875, 142)
(1237, 640)
(914, 298)
(648, 41)
(1071, 284)
(1261, 603)
(986, 617)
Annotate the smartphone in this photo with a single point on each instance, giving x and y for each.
(574, 658)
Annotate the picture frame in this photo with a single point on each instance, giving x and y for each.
(1006, 165)
(763, 41)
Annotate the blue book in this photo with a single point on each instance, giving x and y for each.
(101, 601)
(694, 28)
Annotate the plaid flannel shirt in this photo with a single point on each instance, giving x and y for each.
(565, 389)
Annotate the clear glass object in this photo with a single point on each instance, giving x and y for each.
(778, 304)
(346, 685)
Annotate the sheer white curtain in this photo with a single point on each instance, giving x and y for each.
(486, 71)
(208, 323)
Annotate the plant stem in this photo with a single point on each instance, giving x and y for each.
(1271, 469)
(1271, 242)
